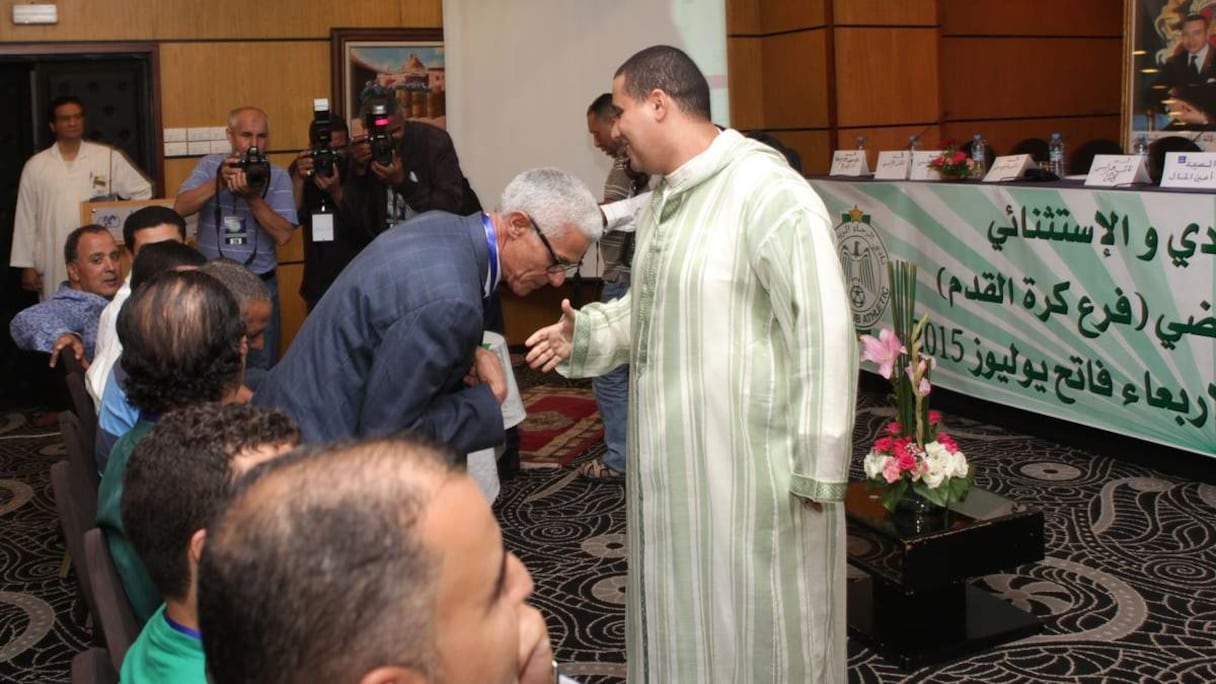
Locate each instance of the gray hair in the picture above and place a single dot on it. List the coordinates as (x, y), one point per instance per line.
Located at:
(555, 200)
(236, 114)
(244, 285)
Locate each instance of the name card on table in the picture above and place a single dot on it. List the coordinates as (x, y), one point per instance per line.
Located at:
(921, 169)
(1111, 170)
(1195, 170)
(849, 163)
(1010, 167)
(893, 165)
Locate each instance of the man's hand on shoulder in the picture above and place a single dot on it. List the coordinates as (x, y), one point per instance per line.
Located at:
(69, 344)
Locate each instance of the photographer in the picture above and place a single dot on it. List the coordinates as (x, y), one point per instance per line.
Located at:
(423, 173)
(327, 248)
(245, 208)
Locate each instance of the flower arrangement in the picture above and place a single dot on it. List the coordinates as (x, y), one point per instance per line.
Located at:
(954, 162)
(915, 456)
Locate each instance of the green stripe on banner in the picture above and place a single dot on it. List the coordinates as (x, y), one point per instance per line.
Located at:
(1094, 306)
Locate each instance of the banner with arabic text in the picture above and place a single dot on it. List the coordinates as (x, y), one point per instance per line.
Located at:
(1092, 306)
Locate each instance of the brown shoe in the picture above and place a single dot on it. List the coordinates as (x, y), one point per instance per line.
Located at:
(596, 470)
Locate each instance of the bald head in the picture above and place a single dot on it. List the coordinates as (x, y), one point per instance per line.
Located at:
(248, 127)
(182, 334)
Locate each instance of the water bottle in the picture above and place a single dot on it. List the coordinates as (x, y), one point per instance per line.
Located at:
(1140, 148)
(1055, 155)
(979, 153)
(913, 142)
(861, 142)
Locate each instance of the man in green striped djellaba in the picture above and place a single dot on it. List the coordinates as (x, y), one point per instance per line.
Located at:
(743, 370)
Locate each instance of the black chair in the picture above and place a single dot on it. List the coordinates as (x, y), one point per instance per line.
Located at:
(82, 406)
(118, 625)
(84, 466)
(75, 518)
(1083, 157)
(1160, 147)
(1037, 148)
(93, 667)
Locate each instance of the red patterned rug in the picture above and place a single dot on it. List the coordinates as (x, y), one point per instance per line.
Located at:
(562, 423)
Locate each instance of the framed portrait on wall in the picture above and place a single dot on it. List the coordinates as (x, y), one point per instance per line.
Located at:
(1170, 71)
(406, 64)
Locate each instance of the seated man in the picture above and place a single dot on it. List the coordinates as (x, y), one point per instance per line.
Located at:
(391, 344)
(254, 297)
(115, 414)
(179, 477)
(373, 562)
(68, 320)
(143, 227)
(183, 344)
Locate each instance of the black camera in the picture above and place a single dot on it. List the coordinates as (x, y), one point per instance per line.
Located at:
(376, 121)
(256, 167)
(320, 133)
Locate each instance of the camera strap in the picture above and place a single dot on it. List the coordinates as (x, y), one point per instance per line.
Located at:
(219, 218)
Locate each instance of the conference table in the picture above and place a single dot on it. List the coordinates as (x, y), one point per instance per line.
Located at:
(1089, 305)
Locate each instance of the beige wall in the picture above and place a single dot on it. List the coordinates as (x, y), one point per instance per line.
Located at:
(218, 54)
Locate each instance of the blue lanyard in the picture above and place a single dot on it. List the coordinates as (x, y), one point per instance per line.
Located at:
(179, 627)
(492, 243)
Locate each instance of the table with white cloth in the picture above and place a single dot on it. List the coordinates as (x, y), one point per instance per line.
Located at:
(483, 464)
(1089, 305)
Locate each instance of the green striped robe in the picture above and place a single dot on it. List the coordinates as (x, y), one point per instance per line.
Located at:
(742, 385)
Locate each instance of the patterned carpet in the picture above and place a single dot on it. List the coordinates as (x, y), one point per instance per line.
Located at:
(1127, 592)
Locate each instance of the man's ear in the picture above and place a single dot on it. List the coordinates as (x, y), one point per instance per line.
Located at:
(659, 104)
(73, 272)
(195, 550)
(393, 674)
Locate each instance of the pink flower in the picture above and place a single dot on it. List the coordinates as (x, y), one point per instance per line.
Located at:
(947, 442)
(883, 350)
(894, 428)
(890, 471)
(935, 416)
(907, 462)
(883, 444)
(921, 387)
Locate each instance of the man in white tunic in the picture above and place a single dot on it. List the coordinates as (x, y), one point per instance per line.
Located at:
(53, 184)
(743, 379)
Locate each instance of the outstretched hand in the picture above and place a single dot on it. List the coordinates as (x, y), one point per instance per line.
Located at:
(552, 345)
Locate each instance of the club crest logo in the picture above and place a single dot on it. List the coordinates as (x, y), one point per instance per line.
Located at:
(864, 258)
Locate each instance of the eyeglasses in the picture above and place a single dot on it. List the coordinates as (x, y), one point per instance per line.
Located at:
(558, 265)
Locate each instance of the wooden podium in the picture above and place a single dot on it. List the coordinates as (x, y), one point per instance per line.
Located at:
(112, 213)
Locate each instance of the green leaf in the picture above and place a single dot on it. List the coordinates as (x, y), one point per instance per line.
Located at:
(893, 493)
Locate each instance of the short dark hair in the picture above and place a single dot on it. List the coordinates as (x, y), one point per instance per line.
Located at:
(60, 101)
(321, 517)
(182, 474)
(670, 70)
(150, 217)
(71, 246)
(159, 257)
(602, 107)
(1193, 17)
(791, 155)
(181, 334)
(338, 125)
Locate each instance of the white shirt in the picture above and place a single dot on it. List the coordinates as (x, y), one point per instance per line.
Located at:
(108, 348)
(48, 203)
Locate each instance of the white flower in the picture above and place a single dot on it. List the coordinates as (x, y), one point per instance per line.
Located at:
(959, 468)
(939, 463)
(873, 464)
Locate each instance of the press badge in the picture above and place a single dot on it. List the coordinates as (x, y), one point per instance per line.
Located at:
(322, 227)
(235, 232)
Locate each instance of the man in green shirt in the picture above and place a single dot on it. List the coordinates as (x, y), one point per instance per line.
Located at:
(183, 344)
(179, 477)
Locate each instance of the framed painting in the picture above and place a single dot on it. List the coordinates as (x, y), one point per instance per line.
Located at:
(407, 64)
(1170, 70)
